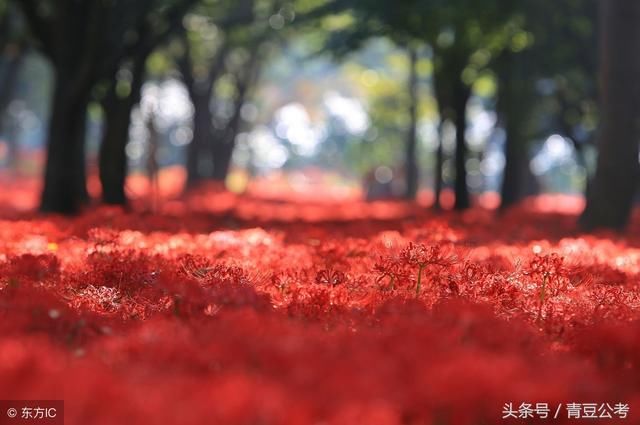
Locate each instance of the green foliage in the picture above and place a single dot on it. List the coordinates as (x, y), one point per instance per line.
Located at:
(552, 50)
(383, 87)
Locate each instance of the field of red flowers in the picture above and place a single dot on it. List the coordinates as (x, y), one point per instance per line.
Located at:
(253, 311)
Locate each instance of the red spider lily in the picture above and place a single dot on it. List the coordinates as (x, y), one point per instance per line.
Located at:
(330, 277)
(315, 318)
(422, 257)
(551, 276)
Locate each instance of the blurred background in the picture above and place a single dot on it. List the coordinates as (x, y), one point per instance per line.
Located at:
(451, 103)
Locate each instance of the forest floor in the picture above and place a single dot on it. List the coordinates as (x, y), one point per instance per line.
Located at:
(253, 311)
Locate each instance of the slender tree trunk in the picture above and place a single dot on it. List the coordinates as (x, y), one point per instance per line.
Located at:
(224, 145)
(9, 79)
(153, 167)
(80, 135)
(441, 97)
(13, 52)
(442, 92)
(461, 97)
(437, 188)
(199, 165)
(113, 157)
(65, 175)
(611, 195)
(8, 85)
(411, 163)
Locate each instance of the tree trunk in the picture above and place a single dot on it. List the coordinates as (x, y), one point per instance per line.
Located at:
(9, 79)
(199, 165)
(8, 85)
(224, 145)
(222, 154)
(65, 175)
(437, 184)
(73, 41)
(411, 164)
(611, 195)
(515, 161)
(13, 52)
(80, 135)
(197, 168)
(113, 157)
(461, 97)
(442, 92)
(515, 106)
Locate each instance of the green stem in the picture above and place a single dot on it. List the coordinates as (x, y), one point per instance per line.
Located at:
(542, 296)
(419, 284)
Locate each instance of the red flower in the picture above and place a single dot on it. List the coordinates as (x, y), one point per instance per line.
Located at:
(330, 277)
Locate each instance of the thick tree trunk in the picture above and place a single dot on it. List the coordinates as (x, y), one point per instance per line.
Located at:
(222, 154)
(224, 141)
(518, 179)
(202, 138)
(65, 175)
(113, 157)
(82, 39)
(515, 105)
(611, 194)
(515, 162)
(461, 97)
(73, 41)
(411, 163)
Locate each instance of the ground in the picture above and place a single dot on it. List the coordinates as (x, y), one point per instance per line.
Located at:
(239, 310)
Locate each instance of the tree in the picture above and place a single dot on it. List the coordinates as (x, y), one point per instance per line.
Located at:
(411, 165)
(544, 46)
(515, 108)
(456, 31)
(200, 88)
(516, 74)
(393, 85)
(69, 33)
(82, 39)
(366, 25)
(612, 191)
(13, 48)
(241, 37)
(124, 83)
(453, 94)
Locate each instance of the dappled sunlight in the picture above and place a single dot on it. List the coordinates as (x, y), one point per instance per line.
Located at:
(562, 204)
